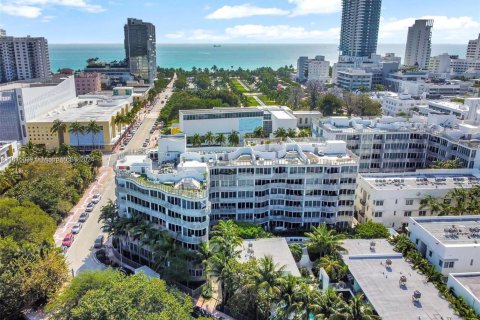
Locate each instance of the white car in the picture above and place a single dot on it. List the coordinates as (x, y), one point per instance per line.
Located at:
(96, 198)
(76, 228)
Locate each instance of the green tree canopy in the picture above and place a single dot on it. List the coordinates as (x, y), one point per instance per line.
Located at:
(371, 230)
(329, 104)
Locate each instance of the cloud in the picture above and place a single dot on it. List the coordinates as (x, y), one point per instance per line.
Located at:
(20, 11)
(304, 7)
(243, 11)
(445, 29)
(259, 32)
(47, 18)
(34, 8)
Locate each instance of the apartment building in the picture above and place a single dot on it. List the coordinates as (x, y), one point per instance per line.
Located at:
(450, 243)
(140, 49)
(318, 69)
(280, 186)
(354, 79)
(23, 58)
(392, 198)
(87, 83)
(440, 64)
(242, 120)
(23, 101)
(393, 104)
(473, 49)
(419, 44)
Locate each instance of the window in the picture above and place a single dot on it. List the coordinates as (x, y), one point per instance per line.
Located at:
(448, 264)
(440, 263)
(416, 241)
(430, 253)
(422, 213)
(407, 213)
(378, 202)
(471, 262)
(378, 214)
(409, 202)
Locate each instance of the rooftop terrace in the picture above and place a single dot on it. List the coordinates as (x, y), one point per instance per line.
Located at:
(460, 230)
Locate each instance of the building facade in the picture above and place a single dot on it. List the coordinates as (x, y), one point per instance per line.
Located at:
(354, 79)
(24, 101)
(393, 104)
(359, 29)
(440, 64)
(450, 243)
(140, 49)
(392, 198)
(473, 49)
(87, 83)
(302, 67)
(23, 58)
(9, 150)
(318, 69)
(419, 44)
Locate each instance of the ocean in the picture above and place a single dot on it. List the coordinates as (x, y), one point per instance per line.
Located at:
(246, 56)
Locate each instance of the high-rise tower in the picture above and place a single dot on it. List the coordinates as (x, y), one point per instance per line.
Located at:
(419, 44)
(359, 33)
(140, 49)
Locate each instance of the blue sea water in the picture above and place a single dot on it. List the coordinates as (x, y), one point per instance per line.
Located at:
(247, 56)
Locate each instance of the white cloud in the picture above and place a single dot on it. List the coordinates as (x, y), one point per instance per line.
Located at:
(259, 32)
(34, 8)
(20, 11)
(304, 7)
(445, 29)
(47, 18)
(243, 11)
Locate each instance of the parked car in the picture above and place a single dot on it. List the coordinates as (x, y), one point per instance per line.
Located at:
(83, 217)
(96, 198)
(145, 144)
(76, 228)
(98, 241)
(68, 240)
(90, 207)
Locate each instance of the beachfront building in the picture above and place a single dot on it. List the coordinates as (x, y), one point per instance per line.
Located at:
(318, 69)
(379, 282)
(359, 29)
(25, 100)
(302, 67)
(9, 150)
(440, 64)
(241, 120)
(473, 49)
(87, 83)
(354, 79)
(281, 186)
(99, 108)
(140, 49)
(403, 103)
(392, 198)
(419, 44)
(450, 243)
(23, 58)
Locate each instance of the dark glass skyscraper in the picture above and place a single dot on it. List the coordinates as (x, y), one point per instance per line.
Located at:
(140, 49)
(359, 33)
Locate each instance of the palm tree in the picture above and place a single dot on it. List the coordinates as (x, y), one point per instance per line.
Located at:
(291, 133)
(59, 127)
(327, 303)
(233, 138)
(324, 241)
(220, 139)
(289, 307)
(303, 134)
(280, 133)
(209, 138)
(119, 120)
(196, 140)
(93, 128)
(258, 132)
(226, 238)
(76, 128)
(29, 149)
(432, 203)
(331, 266)
(108, 212)
(356, 309)
(403, 244)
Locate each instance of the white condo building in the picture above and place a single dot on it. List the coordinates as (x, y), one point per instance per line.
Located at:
(419, 42)
(450, 243)
(23, 58)
(282, 185)
(473, 49)
(393, 104)
(392, 198)
(318, 69)
(440, 64)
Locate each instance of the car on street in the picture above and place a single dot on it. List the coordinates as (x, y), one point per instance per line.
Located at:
(68, 240)
(90, 207)
(76, 228)
(96, 198)
(83, 217)
(98, 241)
(145, 144)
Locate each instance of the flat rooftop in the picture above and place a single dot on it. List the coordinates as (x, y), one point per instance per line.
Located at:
(282, 114)
(422, 180)
(101, 109)
(471, 281)
(219, 110)
(277, 248)
(452, 230)
(381, 285)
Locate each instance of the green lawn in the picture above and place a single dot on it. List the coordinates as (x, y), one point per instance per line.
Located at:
(267, 101)
(251, 102)
(238, 86)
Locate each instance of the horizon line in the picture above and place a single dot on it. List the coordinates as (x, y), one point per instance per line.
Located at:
(241, 43)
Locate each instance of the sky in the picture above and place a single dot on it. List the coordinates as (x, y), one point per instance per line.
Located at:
(249, 21)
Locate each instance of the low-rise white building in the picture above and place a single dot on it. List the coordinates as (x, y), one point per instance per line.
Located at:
(392, 198)
(440, 63)
(393, 104)
(450, 243)
(467, 286)
(305, 118)
(9, 150)
(354, 79)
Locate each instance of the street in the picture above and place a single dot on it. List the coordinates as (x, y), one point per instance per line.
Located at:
(80, 256)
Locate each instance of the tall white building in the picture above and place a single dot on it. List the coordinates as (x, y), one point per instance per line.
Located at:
(473, 49)
(318, 69)
(450, 243)
(419, 42)
(24, 101)
(391, 198)
(23, 58)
